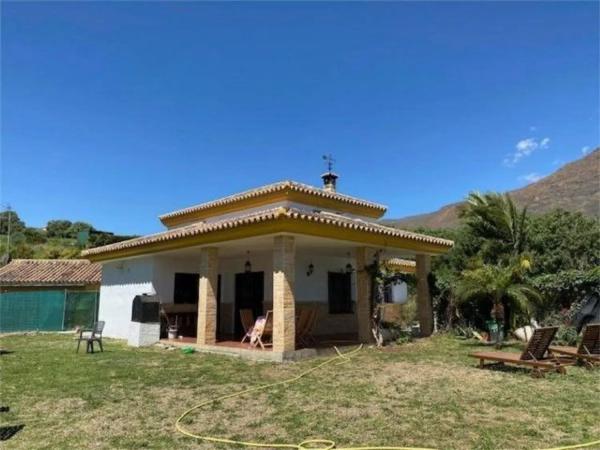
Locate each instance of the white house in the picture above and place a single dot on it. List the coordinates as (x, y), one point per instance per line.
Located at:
(278, 247)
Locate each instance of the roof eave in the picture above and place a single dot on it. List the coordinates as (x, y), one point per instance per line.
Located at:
(281, 223)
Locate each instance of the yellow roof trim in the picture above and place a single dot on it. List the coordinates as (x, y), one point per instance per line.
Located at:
(276, 220)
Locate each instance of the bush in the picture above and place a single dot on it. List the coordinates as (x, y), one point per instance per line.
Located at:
(35, 236)
(563, 289)
(566, 334)
(403, 337)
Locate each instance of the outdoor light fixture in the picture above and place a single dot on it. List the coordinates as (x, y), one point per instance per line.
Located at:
(349, 268)
(248, 264)
(311, 269)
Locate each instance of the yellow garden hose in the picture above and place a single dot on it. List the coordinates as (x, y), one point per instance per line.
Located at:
(576, 446)
(309, 444)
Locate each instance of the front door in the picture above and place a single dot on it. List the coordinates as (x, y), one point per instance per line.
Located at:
(249, 294)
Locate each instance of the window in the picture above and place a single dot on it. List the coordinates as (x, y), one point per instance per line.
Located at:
(340, 293)
(186, 288)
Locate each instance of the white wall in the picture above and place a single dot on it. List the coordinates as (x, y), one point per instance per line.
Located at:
(314, 288)
(121, 282)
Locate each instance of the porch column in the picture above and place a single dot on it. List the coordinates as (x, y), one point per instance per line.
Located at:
(363, 295)
(424, 305)
(284, 317)
(207, 296)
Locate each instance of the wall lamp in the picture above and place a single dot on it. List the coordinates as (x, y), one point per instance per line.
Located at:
(248, 264)
(310, 270)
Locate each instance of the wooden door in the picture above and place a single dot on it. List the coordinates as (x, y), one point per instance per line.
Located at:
(249, 294)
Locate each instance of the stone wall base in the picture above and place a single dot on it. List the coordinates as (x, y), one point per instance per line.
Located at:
(143, 334)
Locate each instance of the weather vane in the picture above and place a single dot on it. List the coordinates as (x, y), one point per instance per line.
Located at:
(330, 161)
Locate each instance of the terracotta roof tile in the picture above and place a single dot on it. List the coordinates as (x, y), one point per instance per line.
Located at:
(399, 262)
(272, 214)
(50, 272)
(275, 187)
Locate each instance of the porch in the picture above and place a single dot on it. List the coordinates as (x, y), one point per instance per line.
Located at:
(323, 346)
(281, 273)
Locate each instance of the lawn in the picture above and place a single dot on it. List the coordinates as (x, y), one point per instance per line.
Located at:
(425, 394)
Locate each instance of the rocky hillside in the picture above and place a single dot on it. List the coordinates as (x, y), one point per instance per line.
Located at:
(574, 187)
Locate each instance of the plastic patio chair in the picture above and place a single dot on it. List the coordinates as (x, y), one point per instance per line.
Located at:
(95, 335)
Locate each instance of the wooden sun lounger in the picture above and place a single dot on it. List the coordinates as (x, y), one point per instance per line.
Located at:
(588, 350)
(534, 355)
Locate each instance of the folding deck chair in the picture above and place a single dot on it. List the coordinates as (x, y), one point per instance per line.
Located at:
(534, 356)
(588, 350)
(302, 325)
(311, 325)
(247, 320)
(263, 328)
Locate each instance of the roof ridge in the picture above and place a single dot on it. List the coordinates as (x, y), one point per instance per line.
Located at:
(253, 192)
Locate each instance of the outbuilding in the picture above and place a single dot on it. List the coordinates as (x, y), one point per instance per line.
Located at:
(48, 294)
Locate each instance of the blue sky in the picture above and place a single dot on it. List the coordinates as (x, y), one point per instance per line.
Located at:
(113, 113)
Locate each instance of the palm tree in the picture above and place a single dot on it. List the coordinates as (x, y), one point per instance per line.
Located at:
(503, 285)
(494, 218)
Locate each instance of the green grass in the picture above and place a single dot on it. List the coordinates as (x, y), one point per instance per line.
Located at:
(427, 394)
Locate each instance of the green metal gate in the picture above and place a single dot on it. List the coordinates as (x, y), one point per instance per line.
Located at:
(47, 310)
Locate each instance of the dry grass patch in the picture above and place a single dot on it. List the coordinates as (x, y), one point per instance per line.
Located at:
(424, 394)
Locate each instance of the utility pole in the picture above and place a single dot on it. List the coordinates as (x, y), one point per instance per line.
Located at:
(8, 210)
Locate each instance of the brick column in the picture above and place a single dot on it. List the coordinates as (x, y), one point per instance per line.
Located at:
(363, 295)
(284, 317)
(207, 296)
(424, 305)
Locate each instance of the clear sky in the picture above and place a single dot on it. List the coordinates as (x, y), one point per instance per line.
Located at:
(113, 113)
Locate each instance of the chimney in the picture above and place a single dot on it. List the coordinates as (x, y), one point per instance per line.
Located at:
(329, 178)
(329, 181)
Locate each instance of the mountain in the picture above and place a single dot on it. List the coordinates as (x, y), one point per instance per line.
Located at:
(573, 187)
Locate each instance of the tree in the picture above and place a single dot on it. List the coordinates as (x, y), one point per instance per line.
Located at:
(562, 240)
(20, 250)
(76, 227)
(500, 226)
(58, 228)
(16, 224)
(504, 286)
(35, 235)
(99, 238)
